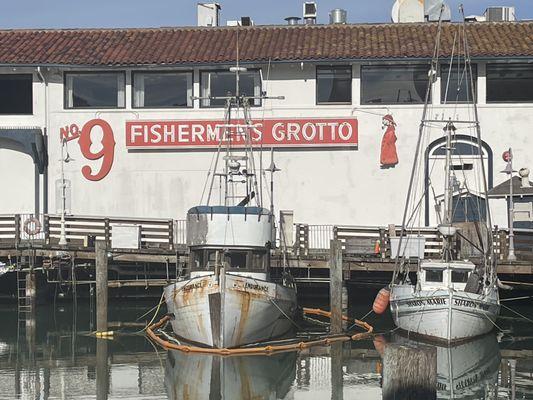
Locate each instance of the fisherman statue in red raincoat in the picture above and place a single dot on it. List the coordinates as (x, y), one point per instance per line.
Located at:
(389, 157)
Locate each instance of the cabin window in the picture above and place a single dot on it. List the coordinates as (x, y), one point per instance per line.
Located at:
(334, 85)
(223, 84)
(257, 260)
(197, 259)
(17, 94)
(236, 259)
(94, 90)
(460, 276)
(433, 275)
(162, 89)
(457, 80)
(394, 84)
(509, 83)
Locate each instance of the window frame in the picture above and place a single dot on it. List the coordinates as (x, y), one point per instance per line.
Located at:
(442, 82)
(202, 71)
(439, 272)
(66, 90)
(30, 75)
(382, 65)
(169, 72)
(487, 67)
(332, 103)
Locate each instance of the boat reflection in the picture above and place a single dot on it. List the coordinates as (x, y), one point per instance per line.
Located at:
(465, 371)
(198, 376)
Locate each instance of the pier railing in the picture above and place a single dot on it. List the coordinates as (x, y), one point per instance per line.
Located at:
(375, 242)
(83, 231)
(369, 242)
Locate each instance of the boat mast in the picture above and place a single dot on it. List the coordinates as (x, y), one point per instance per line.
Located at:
(448, 189)
(431, 80)
(489, 259)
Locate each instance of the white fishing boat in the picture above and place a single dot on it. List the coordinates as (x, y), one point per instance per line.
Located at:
(228, 298)
(452, 299)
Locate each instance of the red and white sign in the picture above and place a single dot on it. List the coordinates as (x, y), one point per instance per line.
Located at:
(315, 132)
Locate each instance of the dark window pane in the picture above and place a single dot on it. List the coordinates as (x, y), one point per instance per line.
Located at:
(386, 84)
(334, 84)
(236, 259)
(223, 83)
(95, 90)
(166, 89)
(258, 260)
(16, 94)
(433, 275)
(509, 83)
(468, 208)
(460, 276)
(457, 81)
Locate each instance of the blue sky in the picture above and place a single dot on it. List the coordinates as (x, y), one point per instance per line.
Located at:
(156, 13)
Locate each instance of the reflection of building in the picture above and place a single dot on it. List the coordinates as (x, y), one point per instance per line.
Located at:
(123, 99)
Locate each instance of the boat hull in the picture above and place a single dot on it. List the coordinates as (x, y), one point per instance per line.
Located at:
(444, 315)
(229, 311)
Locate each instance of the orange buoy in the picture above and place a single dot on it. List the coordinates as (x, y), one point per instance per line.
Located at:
(377, 247)
(382, 301)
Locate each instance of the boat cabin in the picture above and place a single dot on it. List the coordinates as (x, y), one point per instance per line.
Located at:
(237, 237)
(435, 275)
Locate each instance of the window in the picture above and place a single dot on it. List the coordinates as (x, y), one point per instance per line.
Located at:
(384, 84)
(433, 275)
(222, 83)
(162, 89)
(334, 85)
(468, 208)
(94, 90)
(457, 80)
(17, 94)
(257, 261)
(509, 83)
(460, 276)
(236, 259)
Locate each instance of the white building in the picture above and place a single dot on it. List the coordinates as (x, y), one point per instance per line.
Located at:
(140, 145)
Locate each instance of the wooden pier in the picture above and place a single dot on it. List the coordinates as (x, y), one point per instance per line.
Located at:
(160, 254)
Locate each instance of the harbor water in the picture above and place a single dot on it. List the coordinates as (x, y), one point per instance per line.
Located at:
(53, 356)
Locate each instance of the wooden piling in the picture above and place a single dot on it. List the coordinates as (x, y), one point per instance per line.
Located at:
(337, 382)
(335, 285)
(409, 372)
(101, 286)
(102, 370)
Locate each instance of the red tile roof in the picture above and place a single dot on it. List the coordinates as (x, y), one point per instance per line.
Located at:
(259, 43)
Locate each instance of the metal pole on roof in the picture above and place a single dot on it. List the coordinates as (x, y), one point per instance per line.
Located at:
(508, 156)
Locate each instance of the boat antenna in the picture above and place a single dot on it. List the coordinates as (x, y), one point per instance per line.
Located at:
(431, 78)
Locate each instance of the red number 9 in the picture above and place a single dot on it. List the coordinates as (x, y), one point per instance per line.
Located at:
(107, 152)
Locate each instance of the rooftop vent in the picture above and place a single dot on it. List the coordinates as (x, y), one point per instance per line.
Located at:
(309, 12)
(208, 14)
(292, 20)
(432, 9)
(337, 16)
(495, 14)
(408, 11)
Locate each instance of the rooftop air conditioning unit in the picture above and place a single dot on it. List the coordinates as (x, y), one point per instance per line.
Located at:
(208, 14)
(309, 12)
(495, 14)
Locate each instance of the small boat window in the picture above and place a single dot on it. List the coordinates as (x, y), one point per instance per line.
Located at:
(257, 260)
(433, 275)
(236, 259)
(460, 276)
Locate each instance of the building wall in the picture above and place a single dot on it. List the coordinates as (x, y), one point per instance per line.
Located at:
(322, 186)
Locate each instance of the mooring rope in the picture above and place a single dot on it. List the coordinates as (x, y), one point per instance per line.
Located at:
(517, 313)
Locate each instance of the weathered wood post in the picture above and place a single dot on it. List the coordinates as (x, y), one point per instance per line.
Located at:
(409, 372)
(101, 286)
(337, 382)
(102, 370)
(335, 285)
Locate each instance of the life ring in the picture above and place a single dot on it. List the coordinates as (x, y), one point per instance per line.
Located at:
(36, 226)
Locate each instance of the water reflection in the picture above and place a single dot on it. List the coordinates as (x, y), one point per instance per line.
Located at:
(52, 356)
(465, 371)
(195, 377)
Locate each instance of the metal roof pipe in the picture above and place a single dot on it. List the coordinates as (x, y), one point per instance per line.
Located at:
(337, 16)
